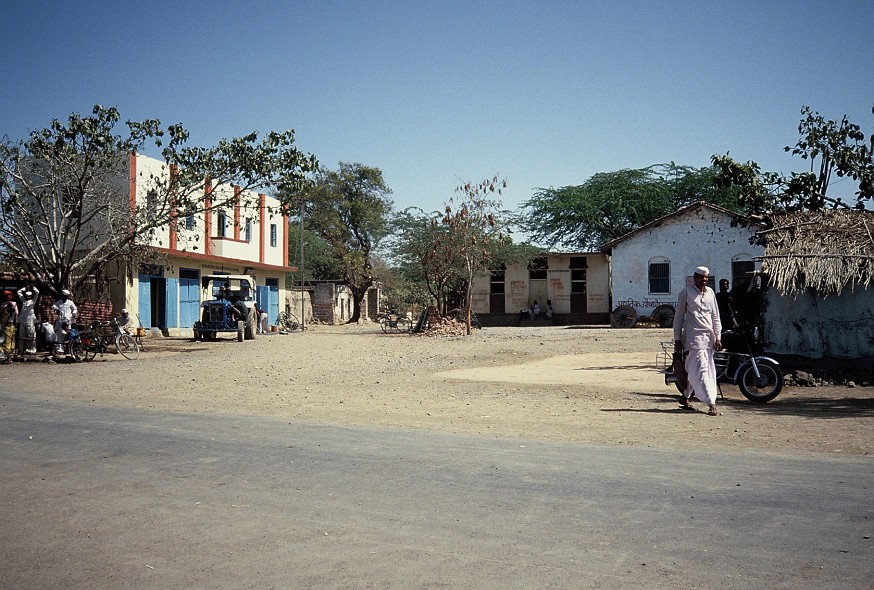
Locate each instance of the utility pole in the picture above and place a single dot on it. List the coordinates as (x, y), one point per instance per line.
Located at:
(303, 320)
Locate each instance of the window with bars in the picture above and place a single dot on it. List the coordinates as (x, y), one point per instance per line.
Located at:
(660, 277)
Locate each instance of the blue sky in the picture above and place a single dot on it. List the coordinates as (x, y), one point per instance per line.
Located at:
(434, 93)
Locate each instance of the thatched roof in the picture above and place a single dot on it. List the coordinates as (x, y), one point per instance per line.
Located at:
(823, 250)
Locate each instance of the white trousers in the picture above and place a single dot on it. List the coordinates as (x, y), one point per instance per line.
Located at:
(702, 375)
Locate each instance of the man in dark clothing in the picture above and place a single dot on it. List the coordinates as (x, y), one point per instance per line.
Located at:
(724, 303)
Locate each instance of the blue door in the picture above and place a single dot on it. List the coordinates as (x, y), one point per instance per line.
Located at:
(145, 293)
(189, 297)
(272, 306)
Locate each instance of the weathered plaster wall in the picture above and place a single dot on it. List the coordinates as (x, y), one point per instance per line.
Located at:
(698, 237)
(838, 326)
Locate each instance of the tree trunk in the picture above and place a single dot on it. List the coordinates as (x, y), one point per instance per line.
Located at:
(358, 295)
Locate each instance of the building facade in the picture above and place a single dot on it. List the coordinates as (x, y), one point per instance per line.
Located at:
(651, 265)
(577, 285)
(250, 237)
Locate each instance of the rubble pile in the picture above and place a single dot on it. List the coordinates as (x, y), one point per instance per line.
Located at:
(443, 326)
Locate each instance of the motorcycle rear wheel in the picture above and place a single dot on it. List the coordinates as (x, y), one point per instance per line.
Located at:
(763, 388)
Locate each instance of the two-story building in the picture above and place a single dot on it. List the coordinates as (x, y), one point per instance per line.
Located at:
(250, 237)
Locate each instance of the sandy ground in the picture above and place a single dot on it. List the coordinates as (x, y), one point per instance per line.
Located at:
(591, 385)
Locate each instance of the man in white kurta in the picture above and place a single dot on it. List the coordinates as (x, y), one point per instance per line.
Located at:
(697, 329)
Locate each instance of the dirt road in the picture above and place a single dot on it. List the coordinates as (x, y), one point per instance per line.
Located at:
(594, 385)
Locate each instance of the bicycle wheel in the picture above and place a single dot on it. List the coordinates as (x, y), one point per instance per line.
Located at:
(77, 351)
(404, 324)
(91, 349)
(386, 325)
(281, 319)
(127, 346)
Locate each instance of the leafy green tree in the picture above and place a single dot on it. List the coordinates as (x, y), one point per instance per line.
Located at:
(65, 211)
(611, 204)
(834, 148)
(318, 263)
(424, 250)
(348, 209)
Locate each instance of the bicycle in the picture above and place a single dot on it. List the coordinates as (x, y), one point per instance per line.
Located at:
(99, 338)
(288, 322)
(394, 323)
(72, 346)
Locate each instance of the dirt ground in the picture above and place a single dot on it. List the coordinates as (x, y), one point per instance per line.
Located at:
(591, 385)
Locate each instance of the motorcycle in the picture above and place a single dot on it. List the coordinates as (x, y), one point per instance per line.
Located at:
(759, 378)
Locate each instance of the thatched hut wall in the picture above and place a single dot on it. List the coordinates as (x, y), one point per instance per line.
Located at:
(820, 302)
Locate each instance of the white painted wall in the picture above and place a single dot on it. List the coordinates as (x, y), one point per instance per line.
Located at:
(520, 293)
(699, 236)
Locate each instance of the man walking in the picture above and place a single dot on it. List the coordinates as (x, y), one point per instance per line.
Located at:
(697, 330)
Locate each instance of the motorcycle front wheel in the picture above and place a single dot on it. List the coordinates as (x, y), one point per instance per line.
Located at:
(766, 386)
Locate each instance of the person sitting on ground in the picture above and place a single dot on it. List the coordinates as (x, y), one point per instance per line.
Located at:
(534, 312)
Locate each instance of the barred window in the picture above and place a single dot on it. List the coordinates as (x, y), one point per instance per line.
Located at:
(660, 277)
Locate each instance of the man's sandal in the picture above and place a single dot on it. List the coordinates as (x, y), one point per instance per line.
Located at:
(712, 411)
(684, 403)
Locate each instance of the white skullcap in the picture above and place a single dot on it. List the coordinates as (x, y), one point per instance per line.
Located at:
(124, 311)
(702, 270)
(65, 292)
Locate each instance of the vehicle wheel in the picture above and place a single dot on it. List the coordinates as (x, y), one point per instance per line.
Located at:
(664, 315)
(281, 319)
(127, 346)
(404, 324)
(197, 335)
(251, 327)
(241, 330)
(77, 351)
(385, 325)
(765, 387)
(623, 316)
(90, 351)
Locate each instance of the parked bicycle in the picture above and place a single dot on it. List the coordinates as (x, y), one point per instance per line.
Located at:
(288, 322)
(72, 346)
(394, 323)
(100, 337)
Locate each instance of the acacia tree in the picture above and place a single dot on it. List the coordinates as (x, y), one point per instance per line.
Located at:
(348, 208)
(65, 207)
(476, 230)
(834, 148)
(611, 204)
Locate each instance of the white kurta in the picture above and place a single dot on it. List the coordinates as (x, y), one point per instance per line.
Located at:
(697, 325)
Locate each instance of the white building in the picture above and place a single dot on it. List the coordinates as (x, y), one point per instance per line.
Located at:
(653, 263)
(577, 284)
(249, 238)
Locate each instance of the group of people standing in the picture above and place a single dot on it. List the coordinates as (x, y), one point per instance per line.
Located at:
(18, 322)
